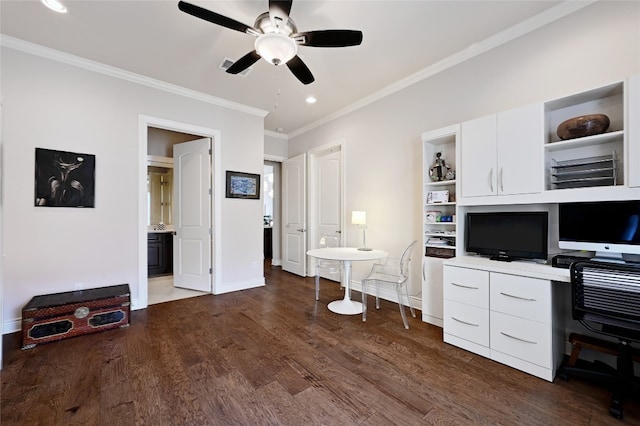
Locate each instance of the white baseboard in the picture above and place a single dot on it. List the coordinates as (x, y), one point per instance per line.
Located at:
(12, 326)
(433, 320)
(239, 285)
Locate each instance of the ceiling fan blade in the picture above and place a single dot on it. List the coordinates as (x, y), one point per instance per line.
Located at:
(329, 38)
(215, 18)
(300, 70)
(279, 10)
(243, 63)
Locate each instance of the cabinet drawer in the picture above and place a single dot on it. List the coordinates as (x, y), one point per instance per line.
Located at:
(521, 338)
(467, 322)
(521, 296)
(469, 286)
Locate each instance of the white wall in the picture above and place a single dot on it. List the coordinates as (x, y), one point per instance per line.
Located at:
(275, 146)
(54, 105)
(597, 45)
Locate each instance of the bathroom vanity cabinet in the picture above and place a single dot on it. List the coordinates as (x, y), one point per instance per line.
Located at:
(159, 253)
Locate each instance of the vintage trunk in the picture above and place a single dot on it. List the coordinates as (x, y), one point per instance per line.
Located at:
(58, 316)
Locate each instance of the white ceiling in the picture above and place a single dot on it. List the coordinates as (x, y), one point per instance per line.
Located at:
(155, 39)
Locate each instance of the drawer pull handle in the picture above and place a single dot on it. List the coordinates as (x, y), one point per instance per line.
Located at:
(517, 297)
(464, 322)
(517, 338)
(466, 286)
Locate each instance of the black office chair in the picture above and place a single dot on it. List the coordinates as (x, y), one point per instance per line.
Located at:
(605, 298)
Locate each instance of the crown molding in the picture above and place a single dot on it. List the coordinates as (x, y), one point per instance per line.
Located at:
(276, 135)
(540, 20)
(59, 56)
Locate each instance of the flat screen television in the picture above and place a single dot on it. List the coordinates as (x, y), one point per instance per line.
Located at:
(508, 235)
(609, 228)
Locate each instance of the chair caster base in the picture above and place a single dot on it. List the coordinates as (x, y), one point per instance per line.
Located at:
(616, 410)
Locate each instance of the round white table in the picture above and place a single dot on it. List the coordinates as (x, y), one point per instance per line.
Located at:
(346, 255)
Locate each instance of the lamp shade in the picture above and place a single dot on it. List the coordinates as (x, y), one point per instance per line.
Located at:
(276, 48)
(358, 218)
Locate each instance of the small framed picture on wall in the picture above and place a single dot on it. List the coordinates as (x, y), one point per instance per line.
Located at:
(243, 185)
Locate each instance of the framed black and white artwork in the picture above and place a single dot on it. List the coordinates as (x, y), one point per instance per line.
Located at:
(64, 179)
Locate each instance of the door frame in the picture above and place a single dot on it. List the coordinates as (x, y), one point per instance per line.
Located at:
(144, 122)
(312, 208)
(276, 161)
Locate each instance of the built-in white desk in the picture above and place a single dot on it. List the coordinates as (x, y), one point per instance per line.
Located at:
(527, 269)
(510, 312)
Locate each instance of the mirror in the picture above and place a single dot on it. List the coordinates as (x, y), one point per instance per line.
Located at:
(267, 179)
(160, 192)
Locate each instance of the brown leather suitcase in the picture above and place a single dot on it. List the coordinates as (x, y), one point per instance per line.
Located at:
(51, 317)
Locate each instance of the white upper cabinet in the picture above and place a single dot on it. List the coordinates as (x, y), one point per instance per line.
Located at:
(633, 126)
(501, 153)
(478, 155)
(520, 131)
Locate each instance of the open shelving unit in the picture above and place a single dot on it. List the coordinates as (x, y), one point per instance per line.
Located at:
(588, 161)
(439, 236)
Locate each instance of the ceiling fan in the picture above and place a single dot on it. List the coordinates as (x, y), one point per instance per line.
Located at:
(277, 38)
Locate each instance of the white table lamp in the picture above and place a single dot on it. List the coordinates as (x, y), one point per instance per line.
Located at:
(360, 219)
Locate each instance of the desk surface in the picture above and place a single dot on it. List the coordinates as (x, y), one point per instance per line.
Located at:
(346, 253)
(522, 268)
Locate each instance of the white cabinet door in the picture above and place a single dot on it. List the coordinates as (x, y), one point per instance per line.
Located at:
(432, 297)
(520, 133)
(478, 174)
(633, 124)
(501, 154)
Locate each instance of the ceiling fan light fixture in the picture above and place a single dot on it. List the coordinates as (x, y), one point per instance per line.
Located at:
(55, 5)
(276, 48)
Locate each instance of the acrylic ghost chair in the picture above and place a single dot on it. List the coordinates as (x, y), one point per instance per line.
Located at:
(330, 267)
(392, 273)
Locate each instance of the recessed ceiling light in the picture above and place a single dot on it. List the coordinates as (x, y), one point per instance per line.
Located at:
(311, 100)
(55, 5)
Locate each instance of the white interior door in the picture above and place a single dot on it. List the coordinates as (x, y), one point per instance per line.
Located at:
(294, 215)
(327, 177)
(192, 215)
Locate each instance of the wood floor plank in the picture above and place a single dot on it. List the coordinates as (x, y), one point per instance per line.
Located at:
(275, 356)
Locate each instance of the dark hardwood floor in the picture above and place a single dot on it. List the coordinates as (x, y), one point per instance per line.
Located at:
(273, 356)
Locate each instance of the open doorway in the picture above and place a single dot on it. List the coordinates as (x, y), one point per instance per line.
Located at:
(161, 227)
(267, 210)
(216, 191)
(271, 212)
